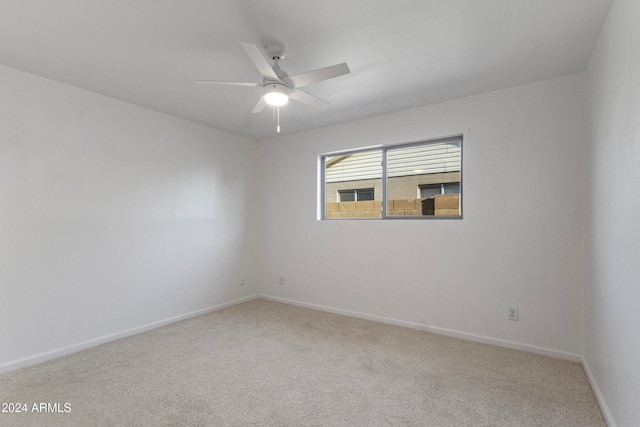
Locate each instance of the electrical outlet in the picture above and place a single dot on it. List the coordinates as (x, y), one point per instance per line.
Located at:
(242, 281)
(512, 313)
(281, 280)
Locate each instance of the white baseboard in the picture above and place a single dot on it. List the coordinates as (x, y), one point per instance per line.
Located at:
(440, 331)
(54, 354)
(606, 413)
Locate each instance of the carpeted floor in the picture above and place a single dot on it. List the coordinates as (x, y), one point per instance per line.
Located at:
(263, 363)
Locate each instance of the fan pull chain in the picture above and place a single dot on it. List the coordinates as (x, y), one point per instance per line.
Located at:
(276, 117)
(278, 126)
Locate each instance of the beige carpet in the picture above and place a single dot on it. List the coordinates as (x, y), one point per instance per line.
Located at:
(268, 364)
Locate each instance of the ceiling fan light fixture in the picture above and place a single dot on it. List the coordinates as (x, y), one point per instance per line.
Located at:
(276, 94)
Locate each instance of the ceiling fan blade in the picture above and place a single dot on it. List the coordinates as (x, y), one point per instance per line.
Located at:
(304, 79)
(307, 98)
(217, 82)
(260, 105)
(259, 61)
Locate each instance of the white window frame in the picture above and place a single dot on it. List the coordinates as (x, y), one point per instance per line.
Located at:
(322, 209)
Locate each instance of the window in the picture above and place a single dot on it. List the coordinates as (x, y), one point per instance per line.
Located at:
(357, 195)
(429, 191)
(413, 180)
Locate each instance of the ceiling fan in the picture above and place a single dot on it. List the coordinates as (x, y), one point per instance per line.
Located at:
(277, 86)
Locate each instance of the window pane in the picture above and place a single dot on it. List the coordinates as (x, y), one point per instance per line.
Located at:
(418, 175)
(353, 185)
(347, 196)
(365, 194)
(453, 188)
(429, 191)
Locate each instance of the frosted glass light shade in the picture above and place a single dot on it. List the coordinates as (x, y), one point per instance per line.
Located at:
(276, 94)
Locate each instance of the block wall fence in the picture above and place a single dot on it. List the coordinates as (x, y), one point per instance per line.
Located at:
(440, 205)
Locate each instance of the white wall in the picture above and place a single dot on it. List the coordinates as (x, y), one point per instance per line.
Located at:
(519, 243)
(112, 217)
(612, 279)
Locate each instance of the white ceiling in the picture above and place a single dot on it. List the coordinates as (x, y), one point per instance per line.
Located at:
(402, 53)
